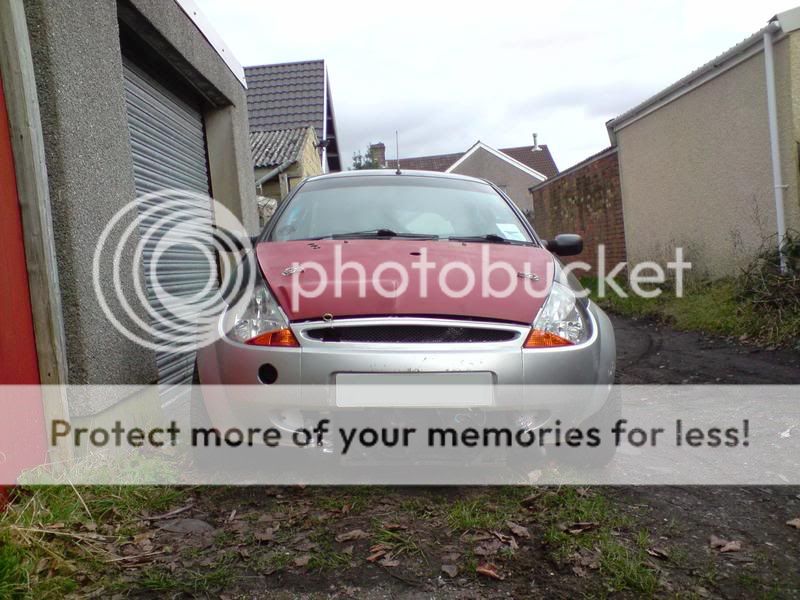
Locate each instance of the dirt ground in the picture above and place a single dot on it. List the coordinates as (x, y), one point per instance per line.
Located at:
(497, 542)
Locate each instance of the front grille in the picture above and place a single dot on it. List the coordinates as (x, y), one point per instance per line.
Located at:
(411, 334)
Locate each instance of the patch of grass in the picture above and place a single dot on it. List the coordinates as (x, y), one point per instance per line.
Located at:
(490, 510)
(326, 556)
(623, 565)
(279, 559)
(626, 568)
(13, 576)
(643, 539)
(748, 580)
(570, 504)
(470, 563)
(679, 556)
(708, 307)
(710, 574)
(418, 507)
(718, 307)
(64, 504)
(399, 542)
(509, 497)
(270, 562)
(352, 499)
(188, 581)
(224, 538)
(43, 543)
(465, 515)
(507, 552)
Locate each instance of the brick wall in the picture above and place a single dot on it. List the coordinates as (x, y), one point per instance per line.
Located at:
(585, 199)
(377, 152)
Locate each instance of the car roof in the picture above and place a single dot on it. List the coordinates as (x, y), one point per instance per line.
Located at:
(393, 173)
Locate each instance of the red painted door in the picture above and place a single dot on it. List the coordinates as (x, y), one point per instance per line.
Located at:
(22, 442)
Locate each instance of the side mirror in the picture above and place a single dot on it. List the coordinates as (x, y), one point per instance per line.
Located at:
(566, 244)
(230, 241)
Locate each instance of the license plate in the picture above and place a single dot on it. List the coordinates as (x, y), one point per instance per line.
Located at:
(414, 390)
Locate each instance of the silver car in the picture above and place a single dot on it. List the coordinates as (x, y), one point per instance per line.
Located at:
(384, 277)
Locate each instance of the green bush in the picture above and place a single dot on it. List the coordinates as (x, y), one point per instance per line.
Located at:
(761, 305)
(763, 289)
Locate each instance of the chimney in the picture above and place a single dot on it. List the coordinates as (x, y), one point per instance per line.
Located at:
(377, 153)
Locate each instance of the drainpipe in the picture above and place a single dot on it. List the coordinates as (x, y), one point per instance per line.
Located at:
(276, 171)
(772, 113)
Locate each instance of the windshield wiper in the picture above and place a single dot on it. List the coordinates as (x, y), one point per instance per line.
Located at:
(490, 238)
(379, 233)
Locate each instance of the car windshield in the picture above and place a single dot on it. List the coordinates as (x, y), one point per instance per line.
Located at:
(394, 206)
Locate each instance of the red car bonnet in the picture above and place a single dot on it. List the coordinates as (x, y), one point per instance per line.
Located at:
(340, 296)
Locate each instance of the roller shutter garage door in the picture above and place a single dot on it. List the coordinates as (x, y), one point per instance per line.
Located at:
(169, 153)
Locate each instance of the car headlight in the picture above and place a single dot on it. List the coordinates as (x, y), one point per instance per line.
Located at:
(562, 320)
(259, 321)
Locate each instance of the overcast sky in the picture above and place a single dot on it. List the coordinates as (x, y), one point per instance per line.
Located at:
(447, 74)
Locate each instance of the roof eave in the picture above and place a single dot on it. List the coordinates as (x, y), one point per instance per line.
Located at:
(586, 161)
(502, 156)
(784, 23)
(203, 25)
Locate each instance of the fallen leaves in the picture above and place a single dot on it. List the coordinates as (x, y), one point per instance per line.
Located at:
(586, 559)
(532, 501)
(579, 571)
(377, 551)
(489, 570)
(723, 545)
(580, 527)
(302, 561)
(733, 546)
(265, 535)
(355, 534)
(491, 544)
(488, 548)
(660, 553)
(716, 542)
(305, 546)
(518, 530)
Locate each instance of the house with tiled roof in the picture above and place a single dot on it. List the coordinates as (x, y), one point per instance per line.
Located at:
(283, 158)
(514, 170)
(292, 96)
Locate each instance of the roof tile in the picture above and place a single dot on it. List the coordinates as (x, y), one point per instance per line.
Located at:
(289, 96)
(273, 148)
(541, 161)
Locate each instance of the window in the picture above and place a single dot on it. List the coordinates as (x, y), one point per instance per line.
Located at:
(405, 204)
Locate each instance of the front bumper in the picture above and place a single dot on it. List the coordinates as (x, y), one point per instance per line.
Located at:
(309, 373)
